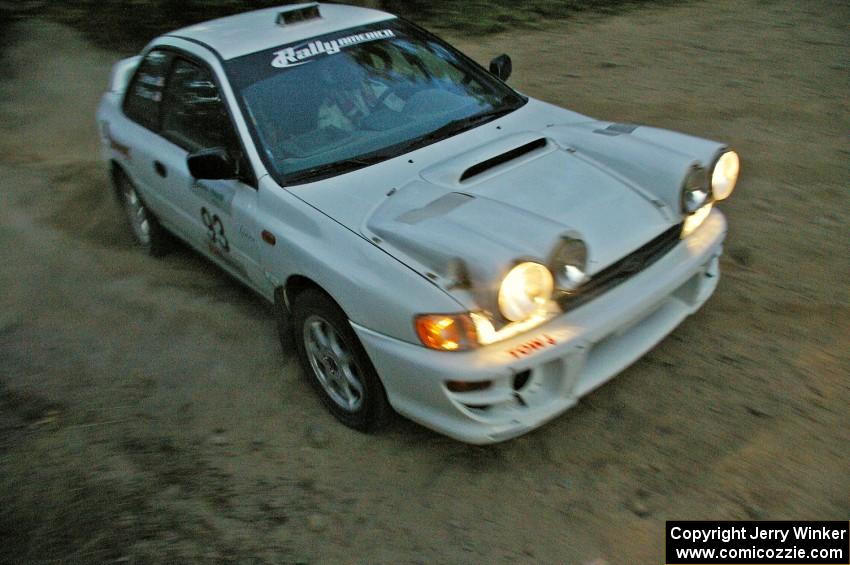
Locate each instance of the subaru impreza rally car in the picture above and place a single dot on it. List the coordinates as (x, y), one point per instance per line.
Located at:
(434, 242)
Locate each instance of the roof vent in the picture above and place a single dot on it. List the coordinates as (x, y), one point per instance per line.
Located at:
(503, 158)
(300, 13)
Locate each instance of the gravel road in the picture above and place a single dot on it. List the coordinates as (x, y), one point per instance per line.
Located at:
(148, 414)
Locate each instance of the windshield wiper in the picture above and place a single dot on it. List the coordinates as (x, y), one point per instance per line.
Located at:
(461, 124)
(330, 169)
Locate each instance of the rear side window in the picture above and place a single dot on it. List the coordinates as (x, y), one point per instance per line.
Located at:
(141, 104)
(194, 115)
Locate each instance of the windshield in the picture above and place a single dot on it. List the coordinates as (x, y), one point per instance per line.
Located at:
(352, 98)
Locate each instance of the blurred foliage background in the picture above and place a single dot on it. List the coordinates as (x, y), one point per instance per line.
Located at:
(126, 25)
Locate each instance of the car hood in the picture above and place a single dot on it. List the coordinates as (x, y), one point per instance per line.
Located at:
(509, 190)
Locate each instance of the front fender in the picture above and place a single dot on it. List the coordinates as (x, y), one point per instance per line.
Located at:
(652, 160)
(374, 289)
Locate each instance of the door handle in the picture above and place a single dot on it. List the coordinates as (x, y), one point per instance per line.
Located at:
(160, 169)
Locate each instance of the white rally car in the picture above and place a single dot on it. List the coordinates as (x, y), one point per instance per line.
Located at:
(433, 240)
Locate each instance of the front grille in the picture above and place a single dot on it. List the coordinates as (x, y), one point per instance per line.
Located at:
(619, 272)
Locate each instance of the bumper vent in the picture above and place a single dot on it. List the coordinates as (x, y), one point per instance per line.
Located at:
(622, 270)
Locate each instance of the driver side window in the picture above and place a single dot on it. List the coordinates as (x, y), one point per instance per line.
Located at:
(194, 116)
(143, 99)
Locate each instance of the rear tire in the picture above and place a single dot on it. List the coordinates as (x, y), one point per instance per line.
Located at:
(336, 363)
(144, 226)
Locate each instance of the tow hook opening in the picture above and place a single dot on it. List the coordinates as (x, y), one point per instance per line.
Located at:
(521, 379)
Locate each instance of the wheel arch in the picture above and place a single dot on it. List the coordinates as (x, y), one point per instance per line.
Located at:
(296, 284)
(116, 171)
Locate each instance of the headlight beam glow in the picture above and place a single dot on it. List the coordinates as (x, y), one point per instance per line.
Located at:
(695, 220)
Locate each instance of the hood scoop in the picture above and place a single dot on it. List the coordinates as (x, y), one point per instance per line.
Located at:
(492, 162)
(488, 159)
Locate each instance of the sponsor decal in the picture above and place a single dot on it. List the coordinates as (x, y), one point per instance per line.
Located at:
(531, 346)
(219, 194)
(215, 232)
(217, 242)
(306, 52)
(244, 233)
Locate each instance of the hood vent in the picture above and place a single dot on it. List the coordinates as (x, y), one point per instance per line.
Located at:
(298, 14)
(483, 166)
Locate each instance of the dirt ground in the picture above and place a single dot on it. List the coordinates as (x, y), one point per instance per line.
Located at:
(147, 413)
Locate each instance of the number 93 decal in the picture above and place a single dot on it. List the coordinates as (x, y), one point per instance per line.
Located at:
(215, 230)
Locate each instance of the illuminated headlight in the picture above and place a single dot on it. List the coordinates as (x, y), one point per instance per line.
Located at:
(569, 263)
(695, 192)
(526, 289)
(725, 175)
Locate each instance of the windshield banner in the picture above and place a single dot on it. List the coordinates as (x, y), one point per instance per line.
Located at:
(294, 56)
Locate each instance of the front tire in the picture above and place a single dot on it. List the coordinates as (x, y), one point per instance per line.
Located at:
(336, 363)
(146, 229)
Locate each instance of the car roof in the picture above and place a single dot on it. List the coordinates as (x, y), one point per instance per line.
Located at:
(242, 34)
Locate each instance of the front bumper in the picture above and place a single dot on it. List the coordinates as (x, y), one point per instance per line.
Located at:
(538, 375)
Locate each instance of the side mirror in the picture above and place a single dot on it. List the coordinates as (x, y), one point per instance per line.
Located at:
(501, 66)
(211, 164)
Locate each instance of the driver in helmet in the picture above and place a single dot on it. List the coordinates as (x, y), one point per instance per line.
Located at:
(350, 96)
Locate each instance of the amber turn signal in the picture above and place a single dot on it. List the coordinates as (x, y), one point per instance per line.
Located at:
(445, 332)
